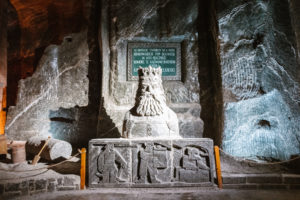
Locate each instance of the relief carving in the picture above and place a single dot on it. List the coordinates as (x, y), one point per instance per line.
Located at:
(143, 163)
(191, 164)
(153, 162)
(110, 165)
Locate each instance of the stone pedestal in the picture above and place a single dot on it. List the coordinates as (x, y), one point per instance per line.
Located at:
(151, 163)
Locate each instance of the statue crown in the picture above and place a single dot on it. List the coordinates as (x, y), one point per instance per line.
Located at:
(150, 73)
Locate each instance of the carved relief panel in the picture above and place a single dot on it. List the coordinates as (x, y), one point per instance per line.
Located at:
(150, 163)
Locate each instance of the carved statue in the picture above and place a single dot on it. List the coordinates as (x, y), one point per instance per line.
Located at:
(150, 117)
(110, 165)
(147, 165)
(194, 160)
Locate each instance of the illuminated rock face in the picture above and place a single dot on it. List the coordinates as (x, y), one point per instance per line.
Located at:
(60, 81)
(53, 69)
(262, 128)
(33, 26)
(257, 56)
(257, 50)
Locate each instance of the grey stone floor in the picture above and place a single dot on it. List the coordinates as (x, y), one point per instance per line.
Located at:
(168, 194)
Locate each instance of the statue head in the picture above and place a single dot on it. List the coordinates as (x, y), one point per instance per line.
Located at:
(151, 100)
(110, 147)
(149, 146)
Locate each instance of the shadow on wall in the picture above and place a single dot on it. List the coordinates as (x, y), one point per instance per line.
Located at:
(79, 124)
(106, 127)
(211, 98)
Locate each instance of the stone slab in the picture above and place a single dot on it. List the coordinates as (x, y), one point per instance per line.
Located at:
(291, 178)
(264, 178)
(151, 163)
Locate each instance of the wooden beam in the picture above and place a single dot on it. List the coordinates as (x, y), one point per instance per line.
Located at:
(218, 167)
(83, 168)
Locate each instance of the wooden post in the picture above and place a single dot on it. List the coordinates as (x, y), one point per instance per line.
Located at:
(83, 168)
(3, 143)
(2, 122)
(4, 103)
(3, 112)
(218, 166)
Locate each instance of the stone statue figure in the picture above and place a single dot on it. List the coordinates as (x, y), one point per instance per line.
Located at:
(147, 165)
(194, 160)
(150, 117)
(110, 165)
(192, 165)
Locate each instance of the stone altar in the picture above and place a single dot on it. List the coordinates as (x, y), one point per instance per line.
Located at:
(150, 163)
(151, 152)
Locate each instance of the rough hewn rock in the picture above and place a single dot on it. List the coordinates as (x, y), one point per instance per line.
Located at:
(60, 81)
(257, 56)
(295, 16)
(33, 26)
(257, 49)
(262, 128)
(62, 97)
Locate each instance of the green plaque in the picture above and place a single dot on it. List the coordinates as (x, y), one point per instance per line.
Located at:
(164, 55)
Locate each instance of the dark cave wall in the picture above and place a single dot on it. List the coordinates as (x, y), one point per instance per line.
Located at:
(295, 16)
(3, 46)
(210, 72)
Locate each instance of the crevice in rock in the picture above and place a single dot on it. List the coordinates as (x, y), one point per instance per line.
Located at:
(61, 119)
(258, 40)
(211, 98)
(264, 123)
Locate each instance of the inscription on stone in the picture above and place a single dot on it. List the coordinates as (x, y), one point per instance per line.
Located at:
(164, 55)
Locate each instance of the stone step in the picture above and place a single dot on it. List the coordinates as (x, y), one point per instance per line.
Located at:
(261, 181)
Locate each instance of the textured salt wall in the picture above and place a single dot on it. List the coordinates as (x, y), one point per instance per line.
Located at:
(59, 81)
(295, 15)
(266, 128)
(260, 79)
(149, 21)
(33, 26)
(61, 98)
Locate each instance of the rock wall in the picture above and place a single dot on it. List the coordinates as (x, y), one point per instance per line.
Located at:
(60, 81)
(3, 47)
(33, 26)
(263, 127)
(149, 21)
(260, 79)
(61, 98)
(295, 16)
